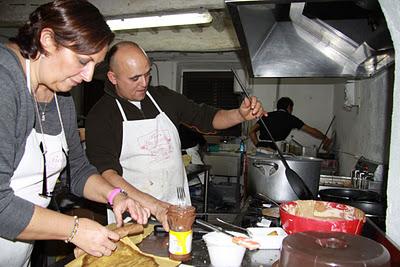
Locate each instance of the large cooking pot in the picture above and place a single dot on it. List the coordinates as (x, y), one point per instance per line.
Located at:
(368, 201)
(266, 175)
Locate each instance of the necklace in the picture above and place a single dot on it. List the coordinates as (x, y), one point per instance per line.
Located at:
(42, 111)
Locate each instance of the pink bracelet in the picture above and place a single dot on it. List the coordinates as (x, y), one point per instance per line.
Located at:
(113, 193)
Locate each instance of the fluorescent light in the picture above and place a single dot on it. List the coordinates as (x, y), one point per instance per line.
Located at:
(162, 20)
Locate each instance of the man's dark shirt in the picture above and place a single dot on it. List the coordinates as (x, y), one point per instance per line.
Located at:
(190, 138)
(280, 123)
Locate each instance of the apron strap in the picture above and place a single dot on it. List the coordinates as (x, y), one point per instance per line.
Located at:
(151, 98)
(28, 74)
(121, 110)
(154, 102)
(64, 140)
(28, 84)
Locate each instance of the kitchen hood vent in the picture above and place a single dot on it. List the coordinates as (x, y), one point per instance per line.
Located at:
(312, 39)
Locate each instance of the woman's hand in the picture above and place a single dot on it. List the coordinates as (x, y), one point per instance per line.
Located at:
(94, 238)
(123, 203)
(127, 229)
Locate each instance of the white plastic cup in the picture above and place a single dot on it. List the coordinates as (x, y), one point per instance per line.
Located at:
(222, 251)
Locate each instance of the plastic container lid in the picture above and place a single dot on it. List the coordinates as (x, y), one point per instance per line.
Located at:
(319, 249)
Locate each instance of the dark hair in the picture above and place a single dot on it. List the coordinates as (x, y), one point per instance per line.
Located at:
(284, 103)
(77, 25)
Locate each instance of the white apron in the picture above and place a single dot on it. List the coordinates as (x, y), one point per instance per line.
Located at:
(151, 157)
(27, 182)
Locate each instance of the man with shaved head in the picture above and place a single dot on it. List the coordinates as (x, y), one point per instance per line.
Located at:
(131, 133)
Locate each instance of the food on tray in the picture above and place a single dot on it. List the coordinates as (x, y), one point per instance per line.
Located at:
(245, 242)
(268, 238)
(273, 233)
(123, 256)
(126, 230)
(129, 229)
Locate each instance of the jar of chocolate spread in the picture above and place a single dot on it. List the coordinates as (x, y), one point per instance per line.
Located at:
(180, 220)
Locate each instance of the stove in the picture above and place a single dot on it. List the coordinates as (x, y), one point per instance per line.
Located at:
(252, 213)
(328, 181)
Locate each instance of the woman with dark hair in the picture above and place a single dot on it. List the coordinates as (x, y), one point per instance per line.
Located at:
(56, 49)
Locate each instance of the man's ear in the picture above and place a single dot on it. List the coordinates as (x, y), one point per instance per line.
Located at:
(47, 40)
(111, 77)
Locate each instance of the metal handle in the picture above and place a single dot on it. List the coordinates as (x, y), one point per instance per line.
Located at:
(213, 227)
(208, 225)
(244, 230)
(258, 164)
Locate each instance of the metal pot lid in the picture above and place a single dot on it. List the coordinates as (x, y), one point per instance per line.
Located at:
(368, 201)
(349, 194)
(332, 249)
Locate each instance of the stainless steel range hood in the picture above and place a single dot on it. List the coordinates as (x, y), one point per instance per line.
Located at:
(283, 38)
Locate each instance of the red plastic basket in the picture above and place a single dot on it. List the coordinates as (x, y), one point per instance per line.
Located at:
(292, 223)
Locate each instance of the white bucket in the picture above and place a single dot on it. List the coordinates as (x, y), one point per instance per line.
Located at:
(222, 251)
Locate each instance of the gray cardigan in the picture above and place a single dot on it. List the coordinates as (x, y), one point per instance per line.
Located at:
(17, 119)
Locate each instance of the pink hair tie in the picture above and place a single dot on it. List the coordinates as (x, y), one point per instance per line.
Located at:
(113, 194)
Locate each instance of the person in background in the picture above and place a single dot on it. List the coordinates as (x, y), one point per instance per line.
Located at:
(191, 143)
(280, 123)
(131, 132)
(57, 48)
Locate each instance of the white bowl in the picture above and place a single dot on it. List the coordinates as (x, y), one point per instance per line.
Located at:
(223, 252)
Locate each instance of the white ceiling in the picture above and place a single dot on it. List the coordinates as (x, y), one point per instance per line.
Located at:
(217, 36)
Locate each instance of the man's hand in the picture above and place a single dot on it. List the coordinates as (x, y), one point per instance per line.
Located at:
(251, 109)
(123, 203)
(326, 144)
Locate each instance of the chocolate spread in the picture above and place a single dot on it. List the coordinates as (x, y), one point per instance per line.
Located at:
(180, 220)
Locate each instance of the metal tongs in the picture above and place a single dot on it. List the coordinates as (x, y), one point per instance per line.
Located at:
(246, 242)
(214, 227)
(243, 230)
